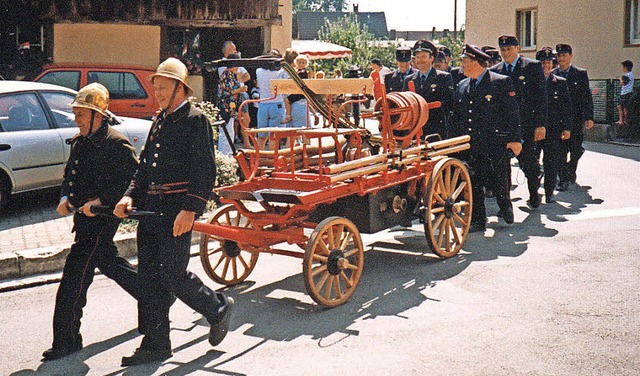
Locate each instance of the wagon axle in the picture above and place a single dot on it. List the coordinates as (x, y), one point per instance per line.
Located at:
(336, 262)
(231, 248)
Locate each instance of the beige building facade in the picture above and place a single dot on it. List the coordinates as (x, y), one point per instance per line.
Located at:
(601, 33)
(136, 44)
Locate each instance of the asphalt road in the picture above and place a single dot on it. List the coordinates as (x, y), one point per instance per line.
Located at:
(556, 293)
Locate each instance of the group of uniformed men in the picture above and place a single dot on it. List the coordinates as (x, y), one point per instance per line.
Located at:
(511, 106)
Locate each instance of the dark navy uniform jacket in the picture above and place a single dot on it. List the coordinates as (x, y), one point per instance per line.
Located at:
(437, 87)
(559, 112)
(99, 166)
(581, 99)
(179, 149)
(489, 114)
(528, 80)
(394, 81)
(456, 75)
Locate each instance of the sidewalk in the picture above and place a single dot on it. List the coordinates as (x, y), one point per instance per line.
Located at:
(35, 240)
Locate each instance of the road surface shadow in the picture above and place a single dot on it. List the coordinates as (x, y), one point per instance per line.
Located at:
(30, 208)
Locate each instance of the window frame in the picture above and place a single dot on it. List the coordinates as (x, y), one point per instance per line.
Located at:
(629, 20)
(533, 29)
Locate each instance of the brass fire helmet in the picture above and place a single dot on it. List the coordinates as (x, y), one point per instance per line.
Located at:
(94, 97)
(174, 69)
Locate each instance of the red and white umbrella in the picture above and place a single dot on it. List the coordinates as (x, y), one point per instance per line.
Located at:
(315, 49)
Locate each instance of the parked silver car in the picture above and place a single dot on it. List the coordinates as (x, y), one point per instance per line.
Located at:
(36, 121)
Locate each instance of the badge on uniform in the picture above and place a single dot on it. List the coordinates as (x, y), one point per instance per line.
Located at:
(488, 98)
(521, 78)
(512, 93)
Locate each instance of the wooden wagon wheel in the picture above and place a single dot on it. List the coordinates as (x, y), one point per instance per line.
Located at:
(223, 260)
(333, 261)
(447, 200)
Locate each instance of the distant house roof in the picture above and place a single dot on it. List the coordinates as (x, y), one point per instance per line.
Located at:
(307, 24)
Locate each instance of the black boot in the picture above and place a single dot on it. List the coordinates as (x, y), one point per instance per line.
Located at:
(57, 352)
(219, 330)
(142, 356)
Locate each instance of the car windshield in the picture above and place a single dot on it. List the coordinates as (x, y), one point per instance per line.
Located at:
(60, 105)
(70, 79)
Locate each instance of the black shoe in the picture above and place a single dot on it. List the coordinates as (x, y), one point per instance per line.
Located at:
(219, 330)
(61, 351)
(477, 227)
(563, 186)
(507, 215)
(534, 201)
(142, 356)
(549, 199)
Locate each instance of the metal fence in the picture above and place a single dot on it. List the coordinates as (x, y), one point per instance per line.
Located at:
(606, 94)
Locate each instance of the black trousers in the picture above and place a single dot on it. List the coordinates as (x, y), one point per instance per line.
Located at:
(551, 146)
(162, 264)
(93, 247)
(529, 162)
(572, 147)
(488, 172)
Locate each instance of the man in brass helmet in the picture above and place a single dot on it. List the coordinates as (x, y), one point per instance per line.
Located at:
(100, 167)
(175, 178)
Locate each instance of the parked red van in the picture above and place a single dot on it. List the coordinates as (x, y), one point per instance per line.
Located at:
(131, 93)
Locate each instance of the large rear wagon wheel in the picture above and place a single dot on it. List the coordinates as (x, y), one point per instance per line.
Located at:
(333, 261)
(447, 200)
(223, 260)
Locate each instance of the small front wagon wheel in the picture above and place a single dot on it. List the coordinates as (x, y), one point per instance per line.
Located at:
(223, 260)
(333, 261)
(447, 202)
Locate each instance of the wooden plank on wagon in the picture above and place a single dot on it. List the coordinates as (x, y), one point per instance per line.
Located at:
(333, 86)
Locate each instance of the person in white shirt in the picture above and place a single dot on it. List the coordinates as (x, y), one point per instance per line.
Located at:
(626, 92)
(376, 65)
(271, 112)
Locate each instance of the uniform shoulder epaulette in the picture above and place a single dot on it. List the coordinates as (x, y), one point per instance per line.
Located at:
(73, 139)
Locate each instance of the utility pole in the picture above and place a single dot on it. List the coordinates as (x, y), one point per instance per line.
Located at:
(455, 19)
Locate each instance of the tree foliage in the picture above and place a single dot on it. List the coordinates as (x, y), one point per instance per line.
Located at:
(319, 5)
(455, 45)
(348, 32)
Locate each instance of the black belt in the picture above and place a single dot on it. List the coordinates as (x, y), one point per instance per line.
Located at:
(167, 188)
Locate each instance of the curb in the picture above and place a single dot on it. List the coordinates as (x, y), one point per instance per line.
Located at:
(51, 260)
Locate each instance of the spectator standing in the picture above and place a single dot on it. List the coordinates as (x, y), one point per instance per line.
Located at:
(299, 113)
(271, 113)
(626, 92)
(230, 96)
(228, 48)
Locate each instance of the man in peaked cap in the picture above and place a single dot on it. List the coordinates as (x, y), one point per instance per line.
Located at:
(174, 180)
(528, 80)
(559, 121)
(486, 108)
(494, 53)
(395, 80)
(582, 106)
(432, 85)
